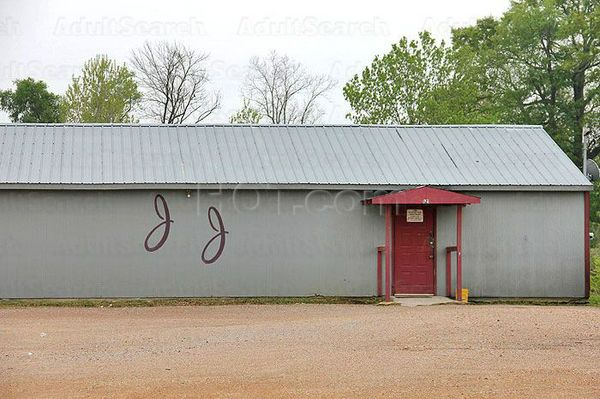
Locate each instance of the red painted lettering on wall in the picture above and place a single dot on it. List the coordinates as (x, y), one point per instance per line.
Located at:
(165, 216)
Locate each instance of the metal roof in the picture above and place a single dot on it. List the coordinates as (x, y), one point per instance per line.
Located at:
(340, 155)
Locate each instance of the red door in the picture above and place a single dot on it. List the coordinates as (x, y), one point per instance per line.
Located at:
(414, 251)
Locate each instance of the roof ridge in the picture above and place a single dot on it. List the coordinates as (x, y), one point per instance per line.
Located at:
(6, 124)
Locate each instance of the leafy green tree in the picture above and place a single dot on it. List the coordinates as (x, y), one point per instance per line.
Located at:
(542, 62)
(30, 102)
(104, 93)
(538, 64)
(418, 81)
(246, 115)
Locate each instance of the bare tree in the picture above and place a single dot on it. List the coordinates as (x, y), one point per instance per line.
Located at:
(282, 91)
(174, 80)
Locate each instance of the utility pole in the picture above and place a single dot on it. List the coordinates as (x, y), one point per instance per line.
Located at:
(584, 155)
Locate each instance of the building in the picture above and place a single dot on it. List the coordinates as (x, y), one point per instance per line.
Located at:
(230, 210)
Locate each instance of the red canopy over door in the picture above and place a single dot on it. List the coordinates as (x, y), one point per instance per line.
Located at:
(407, 242)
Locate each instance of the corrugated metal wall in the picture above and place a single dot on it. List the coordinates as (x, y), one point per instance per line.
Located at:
(91, 244)
(517, 244)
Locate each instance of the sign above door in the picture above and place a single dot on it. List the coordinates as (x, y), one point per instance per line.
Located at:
(414, 215)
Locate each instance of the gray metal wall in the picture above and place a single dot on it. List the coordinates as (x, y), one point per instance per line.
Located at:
(90, 244)
(517, 244)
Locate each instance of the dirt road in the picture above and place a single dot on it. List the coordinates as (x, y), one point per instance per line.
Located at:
(301, 350)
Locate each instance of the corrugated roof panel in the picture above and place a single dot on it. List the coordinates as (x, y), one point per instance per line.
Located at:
(425, 158)
(404, 158)
(163, 158)
(528, 154)
(295, 154)
(537, 157)
(47, 156)
(26, 153)
(425, 147)
(107, 159)
(451, 146)
(219, 152)
(97, 151)
(190, 163)
(518, 163)
(404, 154)
(311, 160)
(328, 159)
(260, 158)
(515, 173)
(463, 146)
(177, 163)
(142, 143)
(279, 156)
(495, 163)
(243, 156)
(188, 172)
(76, 156)
(16, 154)
(475, 161)
(291, 157)
(301, 155)
(205, 153)
(448, 166)
(134, 154)
(304, 150)
(383, 163)
(382, 170)
(351, 161)
(158, 155)
(488, 165)
(127, 164)
(329, 155)
(550, 150)
(58, 150)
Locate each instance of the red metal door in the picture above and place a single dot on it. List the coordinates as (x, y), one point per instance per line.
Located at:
(414, 250)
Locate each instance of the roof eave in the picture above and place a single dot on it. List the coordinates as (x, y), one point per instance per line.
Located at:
(280, 186)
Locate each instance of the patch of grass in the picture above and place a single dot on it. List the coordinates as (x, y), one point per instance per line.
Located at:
(528, 301)
(595, 277)
(150, 302)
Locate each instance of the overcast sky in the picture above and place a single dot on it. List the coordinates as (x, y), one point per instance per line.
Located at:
(50, 40)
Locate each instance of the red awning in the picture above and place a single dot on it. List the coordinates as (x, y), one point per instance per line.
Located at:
(424, 196)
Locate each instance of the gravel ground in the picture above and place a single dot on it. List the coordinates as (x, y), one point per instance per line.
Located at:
(301, 350)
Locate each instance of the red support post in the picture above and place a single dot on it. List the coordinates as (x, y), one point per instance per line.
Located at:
(449, 251)
(459, 252)
(388, 253)
(448, 273)
(380, 251)
(586, 224)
